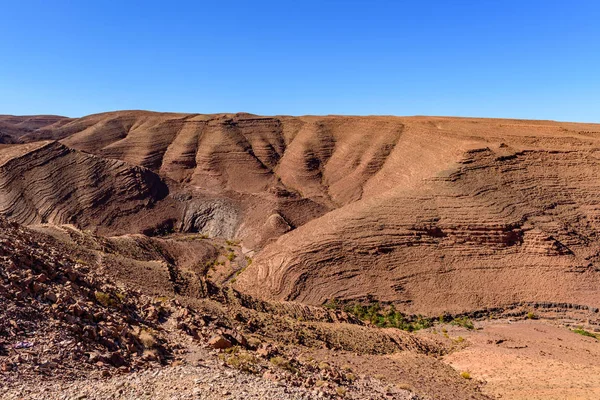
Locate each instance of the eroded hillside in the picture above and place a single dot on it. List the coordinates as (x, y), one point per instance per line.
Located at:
(48, 182)
(204, 246)
(433, 214)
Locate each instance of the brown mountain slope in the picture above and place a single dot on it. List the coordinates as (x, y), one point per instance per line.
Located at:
(326, 159)
(514, 219)
(435, 214)
(13, 127)
(48, 182)
(260, 176)
(432, 214)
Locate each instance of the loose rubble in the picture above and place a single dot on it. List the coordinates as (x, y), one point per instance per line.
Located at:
(67, 332)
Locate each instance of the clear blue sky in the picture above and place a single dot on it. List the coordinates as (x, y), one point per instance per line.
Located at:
(537, 59)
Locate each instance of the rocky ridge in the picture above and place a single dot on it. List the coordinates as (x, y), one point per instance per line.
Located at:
(48, 182)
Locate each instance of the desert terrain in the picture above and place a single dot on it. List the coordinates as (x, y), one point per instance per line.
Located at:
(183, 256)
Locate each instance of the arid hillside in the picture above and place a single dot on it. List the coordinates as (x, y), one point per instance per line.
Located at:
(432, 214)
(296, 257)
(13, 127)
(48, 182)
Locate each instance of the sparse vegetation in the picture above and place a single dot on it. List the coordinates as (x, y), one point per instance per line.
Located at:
(283, 364)
(239, 359)
(323, 365)
(254, 342)
(465, 322)
(243, 361)
(332, 304)
(105, 299)
(147, 339)
(531, 315)
(583, 332)
(121, 296)
(383, 318)
(389, 317)
(465, 375)
(198, 236)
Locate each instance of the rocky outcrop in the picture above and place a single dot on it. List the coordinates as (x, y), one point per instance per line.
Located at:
(215, 218)
(59, 315)
(49, 182)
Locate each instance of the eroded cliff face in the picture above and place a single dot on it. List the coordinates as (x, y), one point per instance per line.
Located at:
(512, 219)
(434, 214)
(257, 177)
(49, 182)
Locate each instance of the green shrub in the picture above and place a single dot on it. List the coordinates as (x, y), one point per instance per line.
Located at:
(105, 299)
(283, 364)
(390, 318)
(242, 360)
(332, 304)
(583, 332)
(465, 322)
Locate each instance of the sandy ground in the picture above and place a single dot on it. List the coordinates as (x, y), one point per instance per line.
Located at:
(530, 360)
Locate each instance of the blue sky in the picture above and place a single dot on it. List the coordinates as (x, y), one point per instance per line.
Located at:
(522, 59)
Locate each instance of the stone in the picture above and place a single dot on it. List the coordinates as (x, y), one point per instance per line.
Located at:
(117, 359)
(51, 297)
(219, 342)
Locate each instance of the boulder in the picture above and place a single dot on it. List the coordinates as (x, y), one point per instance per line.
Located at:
(219, 342)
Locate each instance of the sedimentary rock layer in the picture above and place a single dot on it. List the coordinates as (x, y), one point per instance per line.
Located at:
(12, 128)
(49, 182)
(431, 213)
(508, 218)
